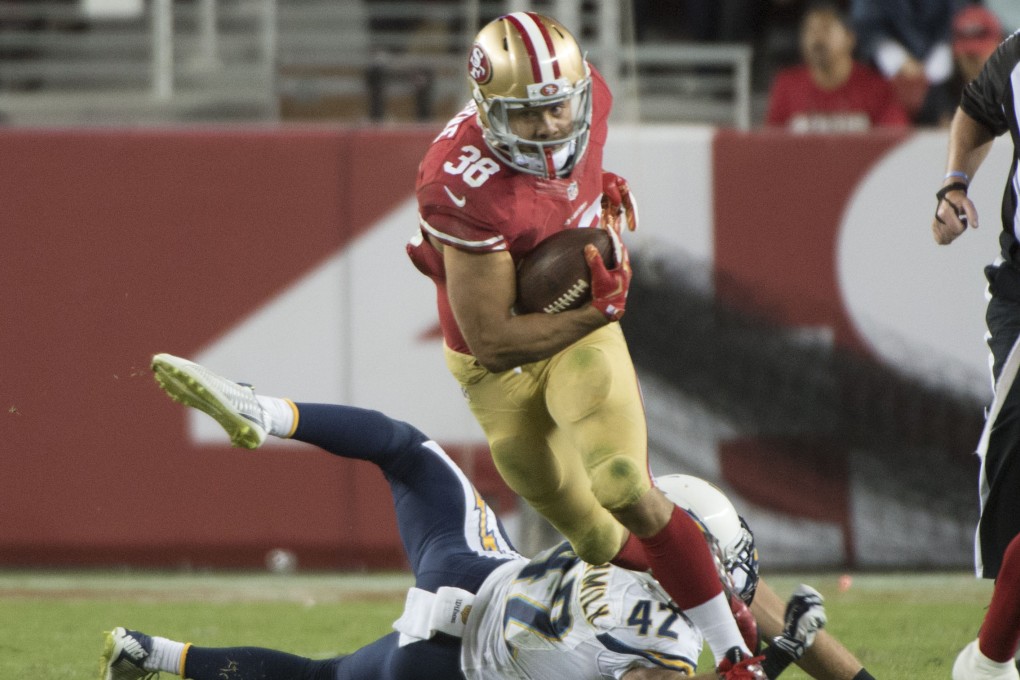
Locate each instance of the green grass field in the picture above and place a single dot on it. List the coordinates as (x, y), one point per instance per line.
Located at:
(902, 626)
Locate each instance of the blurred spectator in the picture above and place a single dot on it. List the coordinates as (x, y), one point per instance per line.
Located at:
(976, 34)
(782, 31)
(908, 40)
(830, 91)
(1008, 12)
(779, 43)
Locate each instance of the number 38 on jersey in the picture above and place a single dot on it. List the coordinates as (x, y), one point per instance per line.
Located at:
(472, 166)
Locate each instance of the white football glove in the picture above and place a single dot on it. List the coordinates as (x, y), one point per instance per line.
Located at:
(805, 616)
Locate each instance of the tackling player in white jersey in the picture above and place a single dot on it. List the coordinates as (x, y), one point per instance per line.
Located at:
(478, 610)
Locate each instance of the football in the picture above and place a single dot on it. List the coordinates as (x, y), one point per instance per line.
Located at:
(554, 277)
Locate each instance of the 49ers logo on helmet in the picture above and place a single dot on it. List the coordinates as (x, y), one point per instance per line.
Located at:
(549, 89)
(478, 65)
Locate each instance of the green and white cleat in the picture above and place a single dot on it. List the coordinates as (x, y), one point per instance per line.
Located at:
(123, 655)
(232, 405)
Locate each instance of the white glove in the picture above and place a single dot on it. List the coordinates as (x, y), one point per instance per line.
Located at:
(805, 616)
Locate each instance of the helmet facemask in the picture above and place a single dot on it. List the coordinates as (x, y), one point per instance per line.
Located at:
(547, 158)
(740, 560)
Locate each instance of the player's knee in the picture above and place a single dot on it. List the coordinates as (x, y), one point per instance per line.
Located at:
(583, 383)
(618, 482)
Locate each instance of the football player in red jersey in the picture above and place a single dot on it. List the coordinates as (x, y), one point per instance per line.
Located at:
(556, 394)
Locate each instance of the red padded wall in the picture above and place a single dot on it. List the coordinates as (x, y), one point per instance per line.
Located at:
(118, 244)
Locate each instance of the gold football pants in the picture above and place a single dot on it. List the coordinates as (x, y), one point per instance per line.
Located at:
(568, 434)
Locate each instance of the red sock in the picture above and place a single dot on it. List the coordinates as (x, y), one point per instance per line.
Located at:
(632, 555)
(682, 563)
(1000, 632)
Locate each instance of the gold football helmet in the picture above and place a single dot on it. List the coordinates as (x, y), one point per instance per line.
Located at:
(526, 60)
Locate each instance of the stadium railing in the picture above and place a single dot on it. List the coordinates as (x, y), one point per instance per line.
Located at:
(74, 62)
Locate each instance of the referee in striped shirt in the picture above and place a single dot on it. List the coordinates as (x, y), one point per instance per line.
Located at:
(990, 107)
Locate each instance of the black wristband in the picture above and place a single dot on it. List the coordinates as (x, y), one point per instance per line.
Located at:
(955, 186)
(776, 660)
(863, 674)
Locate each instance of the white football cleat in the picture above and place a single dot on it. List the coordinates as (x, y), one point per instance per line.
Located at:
(232, 405)
(123, 655)
(971, 664)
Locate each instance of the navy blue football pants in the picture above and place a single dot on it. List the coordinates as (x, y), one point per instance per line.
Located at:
(438, 513)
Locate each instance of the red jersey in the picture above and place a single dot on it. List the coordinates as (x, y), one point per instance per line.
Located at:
(864, 101)
(468, 199)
